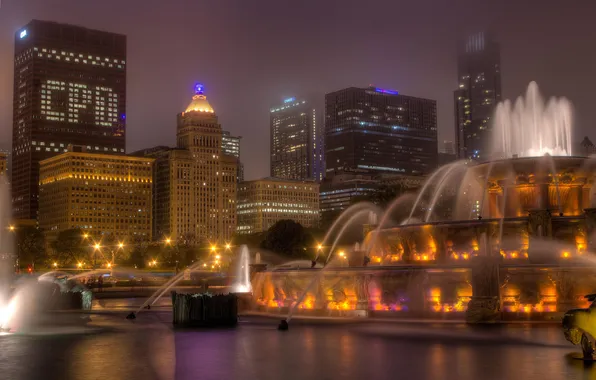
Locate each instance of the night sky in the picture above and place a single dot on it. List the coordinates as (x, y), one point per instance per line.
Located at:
(252, 53)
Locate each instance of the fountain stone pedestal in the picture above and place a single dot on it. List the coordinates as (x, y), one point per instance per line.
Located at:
(362, 282)
(485, 305)
(590, 217)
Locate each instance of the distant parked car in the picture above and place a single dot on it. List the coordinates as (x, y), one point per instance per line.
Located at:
(579, 327)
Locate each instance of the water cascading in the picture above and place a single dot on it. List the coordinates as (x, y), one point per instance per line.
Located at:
(531, 127)
(241, 282)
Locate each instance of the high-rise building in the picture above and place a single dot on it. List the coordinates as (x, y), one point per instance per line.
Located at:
(448, 147)
(3, 164)
(479, 79)
(339, 192)
(263, 202)
(69, 88)
(98, 193)
(379, 131)
(296, 141)
(195, 183)
(230, 145)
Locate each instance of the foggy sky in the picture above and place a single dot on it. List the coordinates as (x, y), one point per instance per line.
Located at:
(252, 53)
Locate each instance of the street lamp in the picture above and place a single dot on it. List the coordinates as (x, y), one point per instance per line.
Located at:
(217, 257)
(85, 235)
(213, 248)
(11, 228)
(55, 265)
(168, 241)
(228, 245)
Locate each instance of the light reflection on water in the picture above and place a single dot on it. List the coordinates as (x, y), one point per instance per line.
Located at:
(149, 348)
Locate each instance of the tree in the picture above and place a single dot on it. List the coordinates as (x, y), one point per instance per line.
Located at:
(70, 247)
(289, 238)
(251, 240)
(31, 247)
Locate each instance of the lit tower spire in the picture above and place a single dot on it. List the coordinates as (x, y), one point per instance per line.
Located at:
(199, 101)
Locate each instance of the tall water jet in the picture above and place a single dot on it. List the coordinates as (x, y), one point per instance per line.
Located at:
(241, 283)
(6, 245)
(531, 128)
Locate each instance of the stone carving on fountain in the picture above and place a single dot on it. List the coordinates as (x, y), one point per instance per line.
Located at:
(362, 294)
(540, 223)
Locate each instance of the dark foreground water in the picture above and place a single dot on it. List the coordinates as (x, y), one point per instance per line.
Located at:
(149, 348)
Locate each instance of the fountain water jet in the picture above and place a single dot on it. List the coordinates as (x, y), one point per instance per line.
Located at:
(340, 218)
(241, 282)
(531, 129)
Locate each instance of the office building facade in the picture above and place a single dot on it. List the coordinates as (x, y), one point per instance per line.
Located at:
(379, 131)
(479, 91)
(296, 141)
(263, 202)
(69, 88)
(230, 146)
(98, 193)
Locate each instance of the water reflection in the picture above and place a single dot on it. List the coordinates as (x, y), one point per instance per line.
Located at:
(150, 349)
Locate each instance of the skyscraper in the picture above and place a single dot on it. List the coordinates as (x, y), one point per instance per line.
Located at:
(230, 145)
(379, 131)
(69, 88)
(479, 78)
(3, 163)
(296, 141)
(195, 183)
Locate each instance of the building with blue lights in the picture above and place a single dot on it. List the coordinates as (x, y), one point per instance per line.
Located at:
(69, 89)
(379, 131)
(479, 91)
(296, 141)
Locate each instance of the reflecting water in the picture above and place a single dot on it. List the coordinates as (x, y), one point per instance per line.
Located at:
(149, 349)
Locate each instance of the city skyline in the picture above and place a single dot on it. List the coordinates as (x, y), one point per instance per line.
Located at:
(417, 73)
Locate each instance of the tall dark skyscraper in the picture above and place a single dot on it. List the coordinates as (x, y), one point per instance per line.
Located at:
(479, 78)
(379, 131)
(69, 88)
(296, 141)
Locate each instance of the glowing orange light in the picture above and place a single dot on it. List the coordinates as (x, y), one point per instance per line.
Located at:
(566, 254)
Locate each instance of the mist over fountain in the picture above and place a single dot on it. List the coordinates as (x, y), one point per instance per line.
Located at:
(531, 127)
